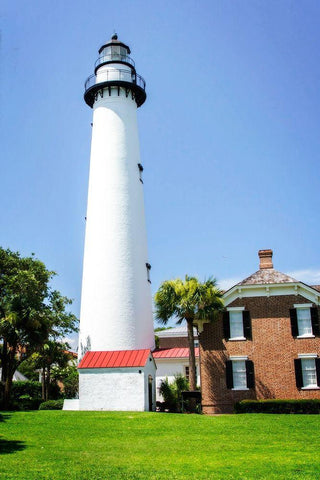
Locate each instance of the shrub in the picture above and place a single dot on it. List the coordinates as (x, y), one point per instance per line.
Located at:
(71, 383)
(68, 379)
(278, 406)
(171, 393)
(54, 391)
(25, 402)
(19, 389)
(52, 405)
(25, 395)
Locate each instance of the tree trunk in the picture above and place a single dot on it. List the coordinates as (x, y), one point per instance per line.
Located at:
(7, 392)
(47, 382)
(10, 369)
(4, 361)
(192, 358)
(43, 384)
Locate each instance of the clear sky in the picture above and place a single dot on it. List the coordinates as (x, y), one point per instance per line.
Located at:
(229, 132)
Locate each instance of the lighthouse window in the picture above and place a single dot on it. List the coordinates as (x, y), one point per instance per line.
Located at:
(140, 167)
(123, 52)
(148, 271)
(115, 50)
(107, 52)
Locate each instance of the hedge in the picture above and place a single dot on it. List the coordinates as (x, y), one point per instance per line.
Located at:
(19, 389)
(25, 402)
(52, 405)
(278, 406)
(25, 395)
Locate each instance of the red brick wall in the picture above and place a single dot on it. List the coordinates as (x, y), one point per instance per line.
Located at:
(272, 349)
(171, 342)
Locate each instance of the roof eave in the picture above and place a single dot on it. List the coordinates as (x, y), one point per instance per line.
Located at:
(271, 289)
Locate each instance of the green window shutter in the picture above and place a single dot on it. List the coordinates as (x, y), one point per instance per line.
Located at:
(294, 322)
(315, 321)
(298, 370)
(247, 330)
(226, 325)
(229, 374)
(250, 373)
(318, 370)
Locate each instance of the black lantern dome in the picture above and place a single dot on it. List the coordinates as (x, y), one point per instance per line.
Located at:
(115, 54)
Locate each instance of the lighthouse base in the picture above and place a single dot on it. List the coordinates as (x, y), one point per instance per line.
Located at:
(117, 388)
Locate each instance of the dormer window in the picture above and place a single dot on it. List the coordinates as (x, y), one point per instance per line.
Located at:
(304, 321)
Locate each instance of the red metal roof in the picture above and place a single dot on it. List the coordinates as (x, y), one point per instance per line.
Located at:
(173, 352)
(115, 359)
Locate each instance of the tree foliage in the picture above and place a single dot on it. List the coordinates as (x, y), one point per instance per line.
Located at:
(171, 392)
(156, 337)
(188, 300)
(51, 354)
(31, 312)
(69, 378)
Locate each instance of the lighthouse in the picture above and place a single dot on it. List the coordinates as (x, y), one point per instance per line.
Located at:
(116, 324)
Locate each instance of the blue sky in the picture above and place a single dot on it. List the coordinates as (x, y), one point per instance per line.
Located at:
(229, 132)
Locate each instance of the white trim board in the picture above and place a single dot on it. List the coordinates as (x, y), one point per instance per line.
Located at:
(268, 290)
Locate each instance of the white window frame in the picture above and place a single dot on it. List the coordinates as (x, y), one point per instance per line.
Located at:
(309, 356)
(235, 310)
(304, 306)
(236, 362)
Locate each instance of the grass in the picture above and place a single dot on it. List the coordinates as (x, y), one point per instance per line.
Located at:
(47, 445)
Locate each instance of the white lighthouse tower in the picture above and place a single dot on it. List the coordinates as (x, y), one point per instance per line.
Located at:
(116, 308)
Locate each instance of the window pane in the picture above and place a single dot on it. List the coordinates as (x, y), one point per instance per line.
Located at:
(123, 51)
(239, 374)
(236, 324)
(304, 321)
(309, 372)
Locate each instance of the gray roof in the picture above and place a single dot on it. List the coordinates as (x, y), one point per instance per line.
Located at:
(265, 276)
(17, 376)
(175, 332)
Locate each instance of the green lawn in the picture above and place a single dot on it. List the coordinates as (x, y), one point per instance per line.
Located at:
(92, 445)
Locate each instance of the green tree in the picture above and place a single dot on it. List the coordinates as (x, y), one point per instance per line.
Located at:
(156, 337)
(69, 377)
(172, 392)
(29, 369)
(51, 353)
(31, 312)
(188, 300)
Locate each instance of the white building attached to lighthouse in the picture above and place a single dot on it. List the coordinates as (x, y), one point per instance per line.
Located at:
(116, 305)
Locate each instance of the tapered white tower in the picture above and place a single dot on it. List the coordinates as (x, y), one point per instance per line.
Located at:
(116, 311)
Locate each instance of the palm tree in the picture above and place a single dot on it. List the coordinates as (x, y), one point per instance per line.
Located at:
(188, 300)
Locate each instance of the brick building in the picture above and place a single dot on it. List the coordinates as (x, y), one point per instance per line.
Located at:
(176, 337)
(266, 345)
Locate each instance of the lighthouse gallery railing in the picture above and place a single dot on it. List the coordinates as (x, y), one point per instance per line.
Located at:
(116, 75)
(114, 57)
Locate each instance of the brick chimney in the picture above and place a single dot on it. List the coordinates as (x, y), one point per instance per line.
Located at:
(265, 258)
